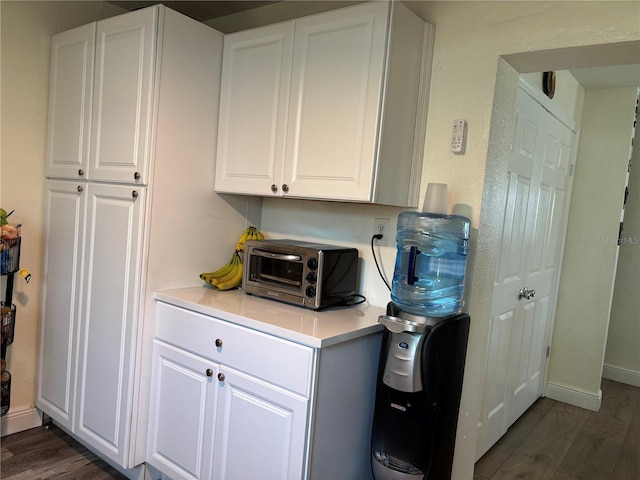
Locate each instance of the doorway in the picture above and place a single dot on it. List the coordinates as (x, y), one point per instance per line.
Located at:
(539, 184)
(506, 85)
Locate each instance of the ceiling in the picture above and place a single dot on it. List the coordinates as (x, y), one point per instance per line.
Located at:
(600, 77)
(608, 77)
(202, 10)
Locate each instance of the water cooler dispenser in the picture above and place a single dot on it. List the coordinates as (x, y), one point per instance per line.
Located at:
(423, 351)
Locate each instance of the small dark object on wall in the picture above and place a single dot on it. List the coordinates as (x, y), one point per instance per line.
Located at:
(549, 83)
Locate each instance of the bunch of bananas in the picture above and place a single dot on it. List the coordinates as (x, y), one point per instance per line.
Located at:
(229, 275)
(250, 233)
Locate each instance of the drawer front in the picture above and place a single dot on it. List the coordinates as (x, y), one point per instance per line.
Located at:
(261, 355)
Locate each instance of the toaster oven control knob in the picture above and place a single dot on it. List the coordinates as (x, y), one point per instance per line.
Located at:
(311, 278)
(312, 263)
(311, 291)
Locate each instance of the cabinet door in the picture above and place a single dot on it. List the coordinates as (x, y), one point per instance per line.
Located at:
(65, 205)
(70, 90)
(260, 430)
(336, 87)
(109, 306)
(253, 108)
(181, 413)
(123, 97)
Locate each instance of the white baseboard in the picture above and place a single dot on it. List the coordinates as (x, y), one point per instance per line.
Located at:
(574, 396)
(622, 375)
(14, 422)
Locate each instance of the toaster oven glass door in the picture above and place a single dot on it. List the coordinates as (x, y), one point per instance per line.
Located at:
(285, 272)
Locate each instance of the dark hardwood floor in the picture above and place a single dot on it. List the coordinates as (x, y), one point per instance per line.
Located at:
(48, 453)
(556, 441)
(551, 441)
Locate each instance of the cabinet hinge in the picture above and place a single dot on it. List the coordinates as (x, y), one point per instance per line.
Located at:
(548, 350)
(571, 168)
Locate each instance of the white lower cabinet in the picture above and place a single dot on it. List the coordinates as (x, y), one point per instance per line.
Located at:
(260, 429)
(181, 412)
(229, 402)
(197, 405)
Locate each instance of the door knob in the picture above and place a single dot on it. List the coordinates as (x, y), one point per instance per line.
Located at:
(285, 187)
(218, 342)
(209, 372)
(526, 293)
(221, 377)
(274, 188)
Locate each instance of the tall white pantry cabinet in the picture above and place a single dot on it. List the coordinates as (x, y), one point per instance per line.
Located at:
(129, 210)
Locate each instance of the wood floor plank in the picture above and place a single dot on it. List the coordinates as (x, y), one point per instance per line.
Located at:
(5, 453)
(490, 463)
(521, 466)
(628, 464)
(543, 405)
(540, 454)
(48, 453)
(26, 475)
(556, 432)
(596, 450)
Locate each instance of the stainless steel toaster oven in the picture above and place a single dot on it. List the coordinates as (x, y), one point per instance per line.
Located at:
(302, 273)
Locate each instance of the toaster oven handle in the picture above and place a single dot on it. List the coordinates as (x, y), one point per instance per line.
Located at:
(277, 256)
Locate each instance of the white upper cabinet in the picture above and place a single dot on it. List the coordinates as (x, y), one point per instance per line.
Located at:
(71, 87)
(336, 113)
(253, 108)
(101, 98)
(123, 97)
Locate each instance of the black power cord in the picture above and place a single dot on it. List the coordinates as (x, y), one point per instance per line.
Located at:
(378, 236)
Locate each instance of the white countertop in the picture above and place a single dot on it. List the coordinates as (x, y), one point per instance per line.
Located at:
(301, 325)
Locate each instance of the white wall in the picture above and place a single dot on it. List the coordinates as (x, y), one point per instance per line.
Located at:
(26, 31)
(622, 358)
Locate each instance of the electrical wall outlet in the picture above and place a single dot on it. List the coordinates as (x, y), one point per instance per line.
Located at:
(381, 226)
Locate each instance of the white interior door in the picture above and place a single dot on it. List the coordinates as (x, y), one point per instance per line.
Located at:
(527, 276)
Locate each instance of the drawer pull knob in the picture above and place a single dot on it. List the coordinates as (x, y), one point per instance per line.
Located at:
(218, 342)
(80, 173)
(136, 176)
(80, 189)
(209, 372)
(221, 377)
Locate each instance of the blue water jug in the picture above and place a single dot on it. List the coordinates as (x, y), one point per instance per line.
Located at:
(431, 262)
